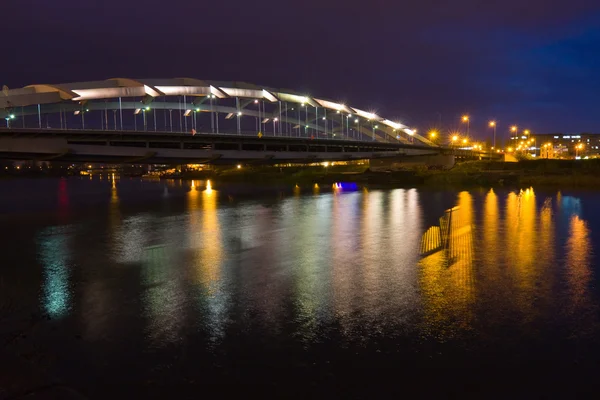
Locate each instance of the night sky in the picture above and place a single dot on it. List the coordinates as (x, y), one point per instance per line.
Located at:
(535, 63)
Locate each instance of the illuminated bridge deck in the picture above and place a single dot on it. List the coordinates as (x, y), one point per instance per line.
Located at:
(125, 146)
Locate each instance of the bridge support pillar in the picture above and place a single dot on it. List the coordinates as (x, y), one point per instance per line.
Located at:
(441, 161)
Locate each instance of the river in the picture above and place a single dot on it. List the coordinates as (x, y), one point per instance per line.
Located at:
(131, 282)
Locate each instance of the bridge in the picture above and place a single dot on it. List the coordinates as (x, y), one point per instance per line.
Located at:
(189, 120)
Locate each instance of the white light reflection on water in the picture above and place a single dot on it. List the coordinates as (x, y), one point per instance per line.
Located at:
(54, 254)
(311, 270)
(163, 296)
(343, 245)
(400, 253)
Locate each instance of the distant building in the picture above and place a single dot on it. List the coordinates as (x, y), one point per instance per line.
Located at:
(562, 145)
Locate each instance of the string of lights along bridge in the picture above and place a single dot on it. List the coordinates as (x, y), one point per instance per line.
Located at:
(195, 106)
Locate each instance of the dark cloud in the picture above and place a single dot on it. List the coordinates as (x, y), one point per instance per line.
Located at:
(528, 62)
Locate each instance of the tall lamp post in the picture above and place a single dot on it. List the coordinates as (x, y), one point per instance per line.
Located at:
(467, 120)
(493, 126)
(8, 118)
(577, 148)
(258, 119)
(514, 129)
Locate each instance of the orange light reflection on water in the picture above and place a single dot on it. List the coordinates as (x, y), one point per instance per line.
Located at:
(447, 276)
(578, 263)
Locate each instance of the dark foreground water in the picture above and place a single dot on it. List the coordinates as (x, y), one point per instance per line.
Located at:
(147, 288)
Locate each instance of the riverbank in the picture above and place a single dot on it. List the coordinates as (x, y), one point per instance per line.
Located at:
(547, 173)
(544, 173)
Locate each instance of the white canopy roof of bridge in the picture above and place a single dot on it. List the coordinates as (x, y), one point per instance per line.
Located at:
(125, 87)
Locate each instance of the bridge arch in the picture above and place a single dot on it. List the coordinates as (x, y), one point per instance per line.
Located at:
(235, 100)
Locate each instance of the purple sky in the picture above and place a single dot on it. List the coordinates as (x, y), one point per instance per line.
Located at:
(534, 63)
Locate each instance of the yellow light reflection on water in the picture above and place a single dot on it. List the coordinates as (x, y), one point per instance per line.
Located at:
(206, 230)
(516, 259)
(578, 264)
(493, 240)
(115, 217)
(316, 189)
(546, 241)
(521, 226)
(447, 276)
(490, 224)
(205, 250)
(114, 195)
(461, 249)
(524, 248)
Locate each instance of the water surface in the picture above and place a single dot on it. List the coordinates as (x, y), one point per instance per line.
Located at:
(136, 282)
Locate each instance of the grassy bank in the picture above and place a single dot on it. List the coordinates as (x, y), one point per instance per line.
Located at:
(290, 175)
(554, 173)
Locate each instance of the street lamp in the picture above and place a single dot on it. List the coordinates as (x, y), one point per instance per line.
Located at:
(454, 139)
(467, 120)
(8, 118)
(493, 125)
(546, 147)
(144, 116)
(348, 125)
(577, 148)
(514, 130)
